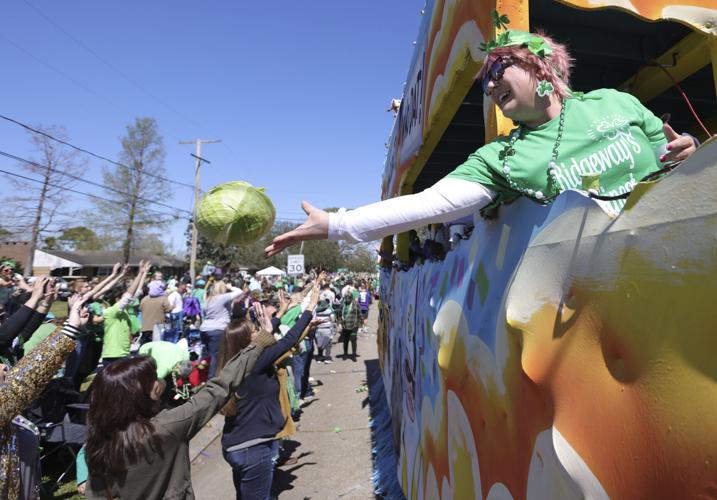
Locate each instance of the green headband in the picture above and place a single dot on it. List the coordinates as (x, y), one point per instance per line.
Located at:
(534, 43)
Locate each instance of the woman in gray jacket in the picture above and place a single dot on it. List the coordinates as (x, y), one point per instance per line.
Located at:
(136, 451)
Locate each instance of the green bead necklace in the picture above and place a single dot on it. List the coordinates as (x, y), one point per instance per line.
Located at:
(552, 172)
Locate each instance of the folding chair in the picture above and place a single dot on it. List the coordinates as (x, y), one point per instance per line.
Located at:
(60, 417)
(64, 436)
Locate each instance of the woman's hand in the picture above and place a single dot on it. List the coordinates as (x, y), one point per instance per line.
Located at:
(315, 291)
(78, 314)
(38, 287)
(679, 147)
(51, 291)
(144, 266)
(262, 317)
(22, 284)
(283, 301)
(316, 227)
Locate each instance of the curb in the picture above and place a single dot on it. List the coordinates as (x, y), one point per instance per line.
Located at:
(211, 431)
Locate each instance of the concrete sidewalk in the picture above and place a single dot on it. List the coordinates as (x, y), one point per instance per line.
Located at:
(333, 444)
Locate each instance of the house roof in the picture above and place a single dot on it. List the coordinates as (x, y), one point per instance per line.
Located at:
(18, 250)
(108, 258)
(44, 259)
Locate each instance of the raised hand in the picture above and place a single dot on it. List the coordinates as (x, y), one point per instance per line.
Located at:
(679, 147)
(315, 291)
(75, 304)
(316, 227)
(283, 301)
(262, 317)
(38, 287)
(52, 288)
(116, 268)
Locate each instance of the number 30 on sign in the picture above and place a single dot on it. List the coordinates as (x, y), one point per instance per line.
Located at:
(295, 265)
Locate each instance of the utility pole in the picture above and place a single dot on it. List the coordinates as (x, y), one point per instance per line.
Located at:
(197, 189)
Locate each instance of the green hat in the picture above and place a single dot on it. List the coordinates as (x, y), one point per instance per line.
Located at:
(8, 263)
(534, 43)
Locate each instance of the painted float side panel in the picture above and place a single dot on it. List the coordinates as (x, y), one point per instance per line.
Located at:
(563, 353)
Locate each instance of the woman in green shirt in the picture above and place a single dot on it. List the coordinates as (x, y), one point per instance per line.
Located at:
(560, 136)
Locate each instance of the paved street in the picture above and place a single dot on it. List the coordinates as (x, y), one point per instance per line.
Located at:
(332, 445)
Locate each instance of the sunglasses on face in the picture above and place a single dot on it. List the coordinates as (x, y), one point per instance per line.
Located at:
(495, 73)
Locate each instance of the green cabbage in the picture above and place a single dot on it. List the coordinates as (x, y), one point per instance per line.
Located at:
(234, 213)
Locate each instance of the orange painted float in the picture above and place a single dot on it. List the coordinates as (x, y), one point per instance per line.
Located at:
(558, 351)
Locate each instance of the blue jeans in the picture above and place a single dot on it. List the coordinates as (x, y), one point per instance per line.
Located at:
(301, 366)
(253, 470)
(177, 321)
(212, 340)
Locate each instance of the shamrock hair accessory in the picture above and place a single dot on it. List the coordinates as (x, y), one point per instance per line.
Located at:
(544, 88)
(534, 43)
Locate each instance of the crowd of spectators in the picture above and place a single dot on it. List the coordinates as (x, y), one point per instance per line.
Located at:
(142, 362)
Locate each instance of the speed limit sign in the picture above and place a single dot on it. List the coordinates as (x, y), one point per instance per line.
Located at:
(295, 265)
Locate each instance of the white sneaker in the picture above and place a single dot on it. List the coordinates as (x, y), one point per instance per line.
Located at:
(327, 361)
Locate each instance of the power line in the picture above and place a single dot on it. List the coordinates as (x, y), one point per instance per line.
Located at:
(111, 66)
(60, 72)
(175, 216)
(125, 193)
(89, 90)
(82, 150)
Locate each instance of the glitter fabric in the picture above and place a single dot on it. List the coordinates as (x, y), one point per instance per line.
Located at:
(23, 384)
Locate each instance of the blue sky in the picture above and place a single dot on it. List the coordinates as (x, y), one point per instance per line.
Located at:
(297, 91)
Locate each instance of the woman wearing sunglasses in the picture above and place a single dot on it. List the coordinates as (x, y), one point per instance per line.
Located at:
(559, 137)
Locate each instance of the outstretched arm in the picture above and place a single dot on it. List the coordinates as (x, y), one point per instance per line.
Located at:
(16, 323)
(447, 200)
(129, 294)
(186, 420)
(110, 281)
(26, 380)
(295, 333)
(139, 279)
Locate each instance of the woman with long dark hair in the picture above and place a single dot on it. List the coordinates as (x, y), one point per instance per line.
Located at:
(254, 417)
(134, 450)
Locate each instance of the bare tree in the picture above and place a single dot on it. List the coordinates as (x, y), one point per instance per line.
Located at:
(36, 205)
(132, 190)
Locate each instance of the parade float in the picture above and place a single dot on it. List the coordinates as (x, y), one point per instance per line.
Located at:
(557, 351)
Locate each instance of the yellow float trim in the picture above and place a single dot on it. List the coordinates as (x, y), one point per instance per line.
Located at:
(687, 57)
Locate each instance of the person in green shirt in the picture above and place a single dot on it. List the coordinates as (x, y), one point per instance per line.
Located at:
(561, 139)
(167, 355)
(118, 321)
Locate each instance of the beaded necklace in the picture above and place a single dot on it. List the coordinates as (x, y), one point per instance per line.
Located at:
(543, 198)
